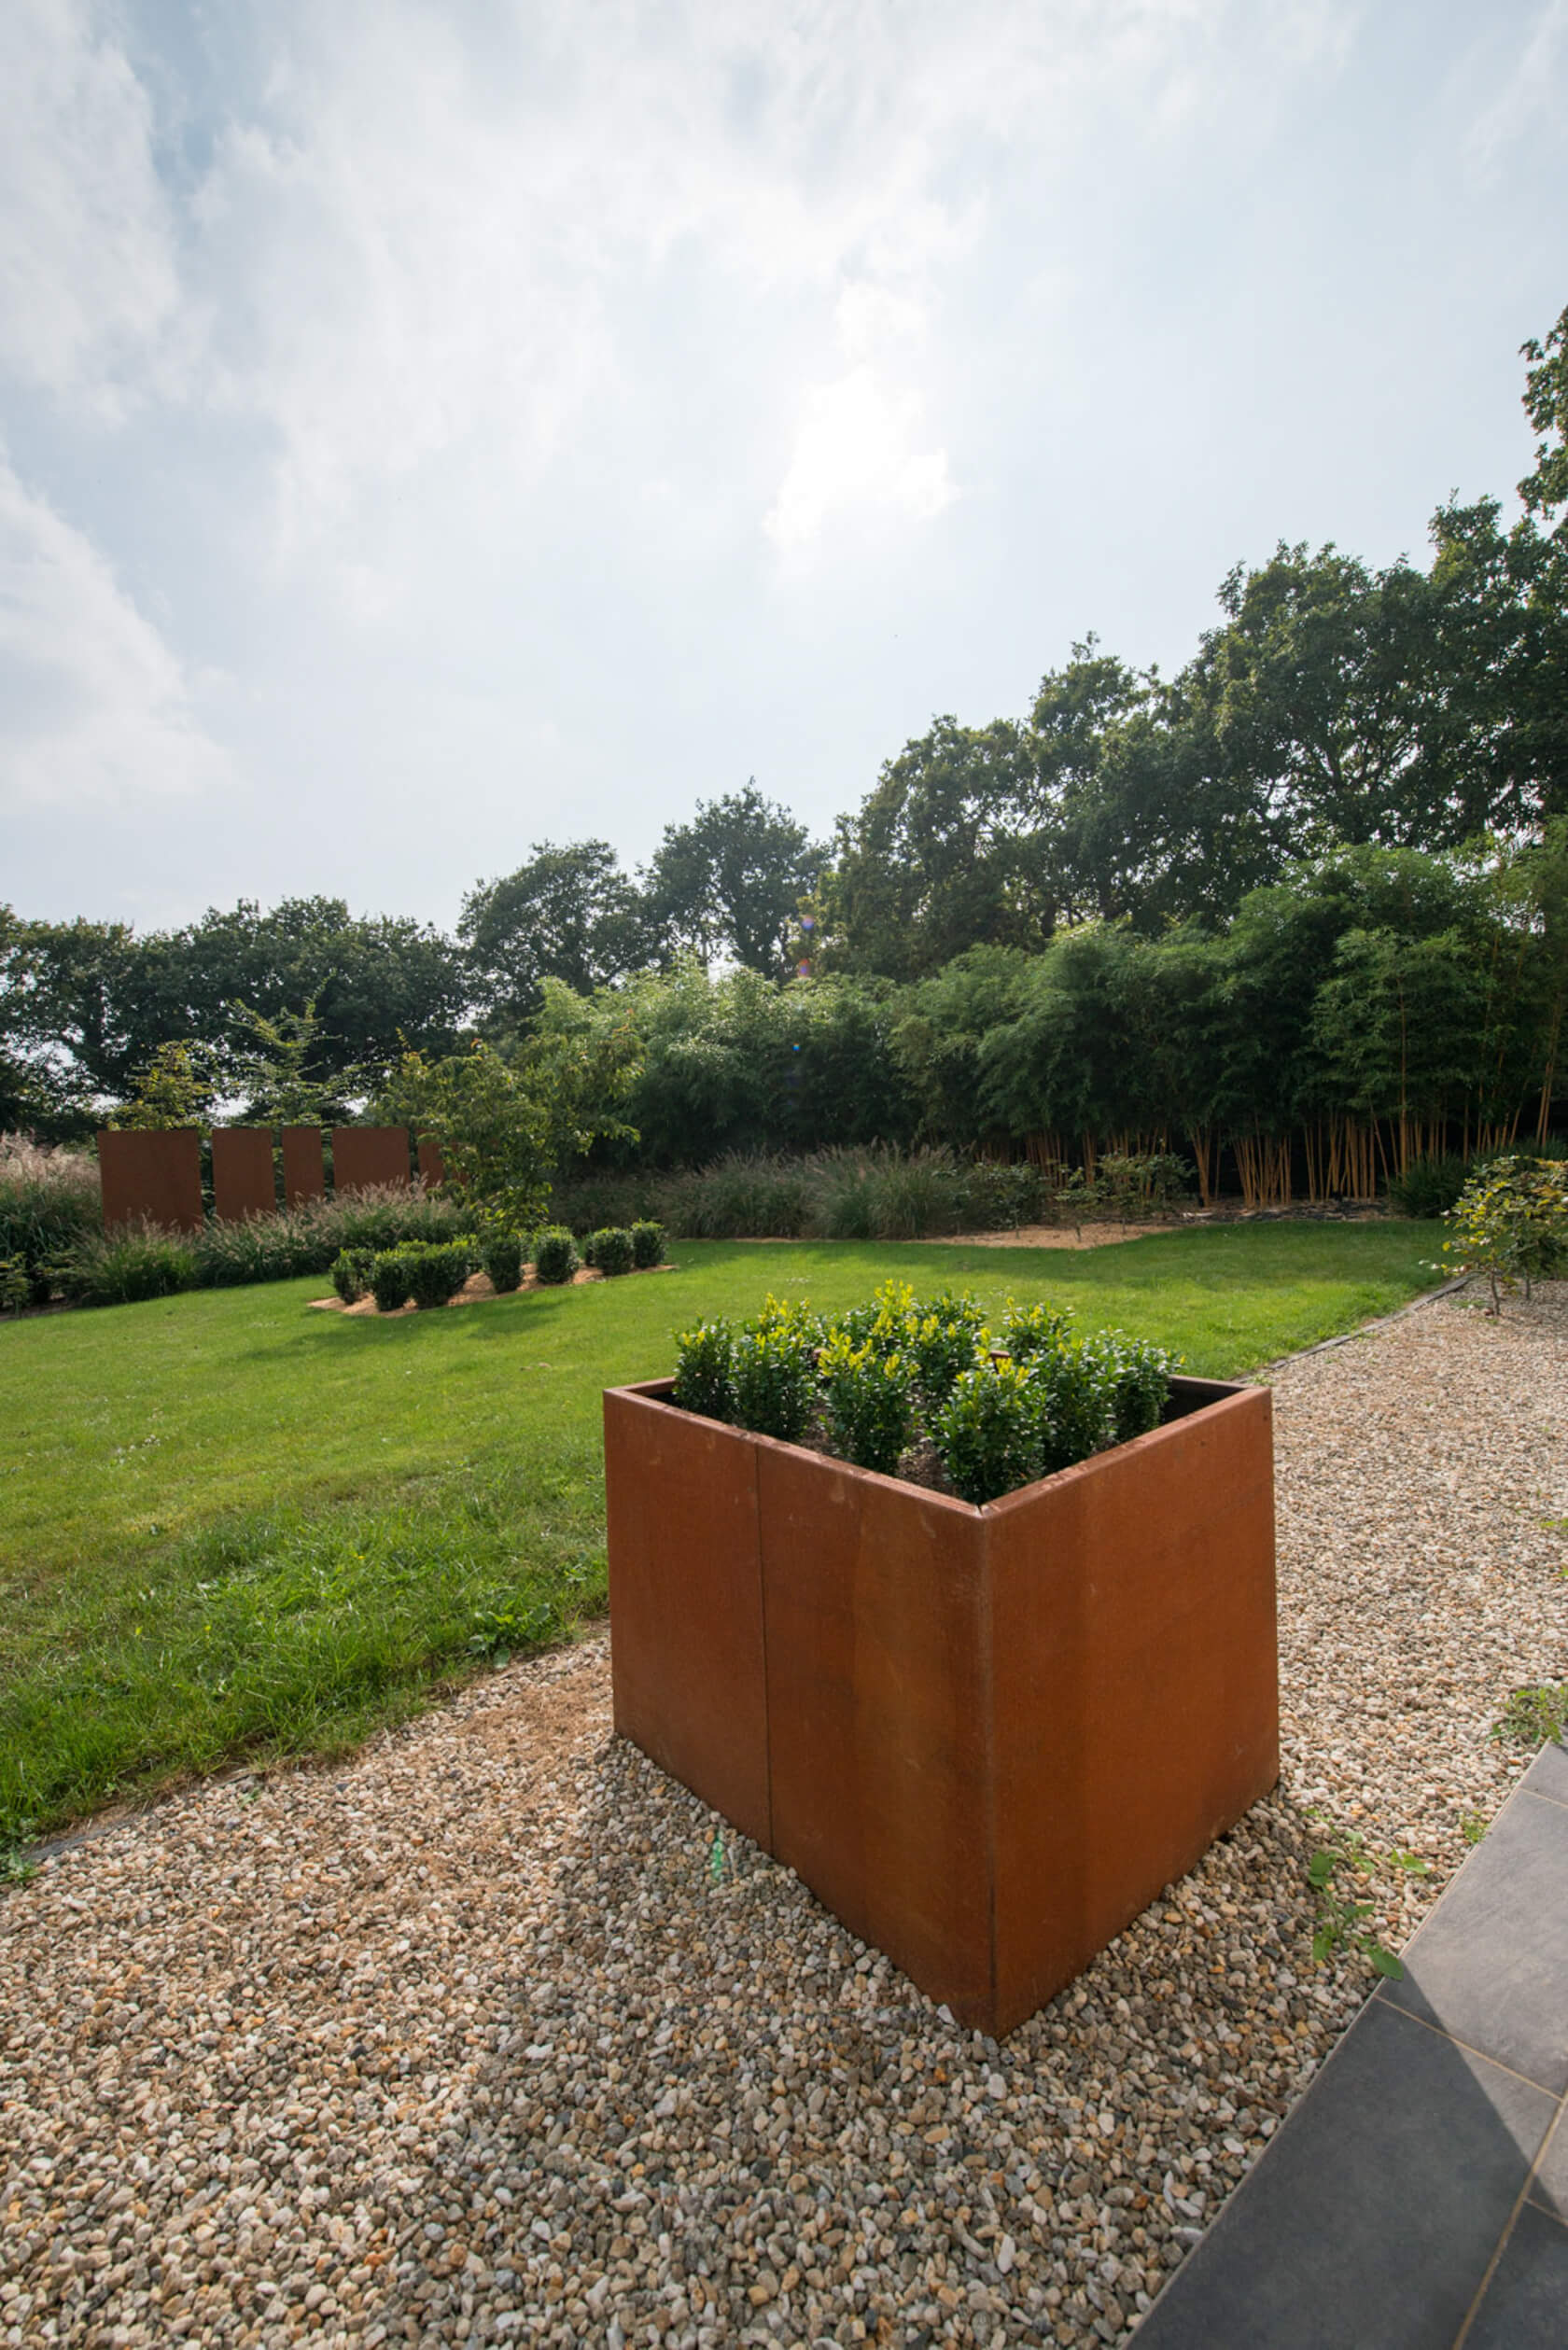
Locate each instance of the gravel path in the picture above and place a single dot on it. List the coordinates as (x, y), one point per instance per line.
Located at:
(469, 2042)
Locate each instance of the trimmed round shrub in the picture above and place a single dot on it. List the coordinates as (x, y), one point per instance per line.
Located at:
(705, 1370)
(775, 1379)
(613, 1250)
(437, 1273)
(648, 1244)
(390, 1281)
(502, 1257)
(868, 1399)
(988, 1431)
(351, 1273)
(555, 1258)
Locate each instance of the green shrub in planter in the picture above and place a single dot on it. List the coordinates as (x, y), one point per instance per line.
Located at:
(1139, 1376)
(705, 1371)
(613, 1250)
(942, 1341)
(437, 1273)
(555, 1258)
(868, 1399)
(351, 1273)
(391, 1280)
(1028, 1331)
(774, 1370)
(989, 1433)
(502, 1257)
(648, 1244)
(1077, 1387)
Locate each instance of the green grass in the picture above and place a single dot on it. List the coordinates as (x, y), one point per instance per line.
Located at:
(235, 1527)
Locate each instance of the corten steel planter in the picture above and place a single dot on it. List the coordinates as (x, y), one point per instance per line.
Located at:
(985, 1738)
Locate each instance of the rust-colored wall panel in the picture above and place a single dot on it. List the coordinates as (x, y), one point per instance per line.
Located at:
(155, 1175)
(363, 1155)
(431, 1165)
(304, 1169)
(686, 1602)
(245, 1181)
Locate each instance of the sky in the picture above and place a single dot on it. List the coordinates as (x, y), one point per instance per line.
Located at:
(428, 429)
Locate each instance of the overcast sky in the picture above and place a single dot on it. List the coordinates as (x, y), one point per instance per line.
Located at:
(426, 429)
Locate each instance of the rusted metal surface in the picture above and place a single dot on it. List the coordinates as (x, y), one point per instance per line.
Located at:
(364, 1155)
(873, 1598)
(985, 1738)
(154, 1176)
(1133, 1677)
(431, 1165)
(686, 1602)
(304, 1170)
(244, 1180)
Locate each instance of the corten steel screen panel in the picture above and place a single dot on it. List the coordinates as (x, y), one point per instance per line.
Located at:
(245, 1180)
(431, 1165)
(304, 1170)
(155, 1176)
(363, 1155)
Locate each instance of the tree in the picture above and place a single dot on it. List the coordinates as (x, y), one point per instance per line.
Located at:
(274, 1072)
(729, 884)
(1544, 490)
(568, 913)
(945, 854)
(175, 1088)
(493, 1131)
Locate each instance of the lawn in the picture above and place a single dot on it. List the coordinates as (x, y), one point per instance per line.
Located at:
(235, 1527)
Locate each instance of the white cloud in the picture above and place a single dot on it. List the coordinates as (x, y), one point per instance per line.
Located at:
(857, 449)
(1531, 90)
(95, 710)
(87, 273)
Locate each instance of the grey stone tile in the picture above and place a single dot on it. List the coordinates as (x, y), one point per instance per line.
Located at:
(1525, 2306)
(1547, 1774)
(1550, 2186)
(1491, 1963)
(1372, 2216)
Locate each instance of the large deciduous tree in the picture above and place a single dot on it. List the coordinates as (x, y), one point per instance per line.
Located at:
(568, 913)
(728, 884)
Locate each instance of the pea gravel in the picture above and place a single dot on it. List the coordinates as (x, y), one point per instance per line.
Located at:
(496, 2036)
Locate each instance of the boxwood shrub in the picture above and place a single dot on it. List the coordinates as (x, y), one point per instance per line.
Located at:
(351, 1273)
(391, 1280)
(501, 1256)
(437, 1271)
(647, 1243)
(612, 1249)
(998, 1409)
(555, 1258)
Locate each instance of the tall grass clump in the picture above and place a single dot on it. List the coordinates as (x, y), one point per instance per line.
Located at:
(746, 1195)
(138, 1261)
(49, 1201)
